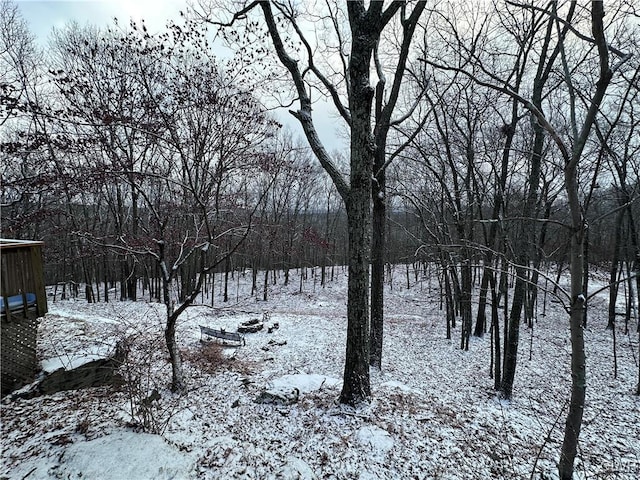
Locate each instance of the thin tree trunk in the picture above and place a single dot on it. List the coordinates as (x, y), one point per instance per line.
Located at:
(585, 274)
(448, 303)
(377, 270)
(481, 317)
(465, 303)
(106, 279)
(613, 272)
(638, 385)
(495, 327)
(512, 335)
(573, 424)
(254, 277)
(578, 236)
(265, 286)
(227, 267)
(177, 377)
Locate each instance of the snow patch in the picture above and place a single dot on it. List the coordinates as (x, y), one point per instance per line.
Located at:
(50, 365)
(376, 438)
(365, 475)
(297, 469)
(305, 383)
(125, 455)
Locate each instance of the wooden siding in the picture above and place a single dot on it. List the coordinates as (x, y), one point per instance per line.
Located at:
(21, 273)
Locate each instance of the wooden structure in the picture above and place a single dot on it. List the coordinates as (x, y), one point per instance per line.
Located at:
(23, 299)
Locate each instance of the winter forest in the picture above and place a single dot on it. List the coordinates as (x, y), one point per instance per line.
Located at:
(447, 278)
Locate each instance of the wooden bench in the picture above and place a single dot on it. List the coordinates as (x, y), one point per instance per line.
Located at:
(222, 334)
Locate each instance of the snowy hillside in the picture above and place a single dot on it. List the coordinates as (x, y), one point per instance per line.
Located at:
(434, 414)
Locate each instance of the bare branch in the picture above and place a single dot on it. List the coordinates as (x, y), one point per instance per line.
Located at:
(344, 112)
(304, 114)
(569, 26)
(542, 120)
(239, 15)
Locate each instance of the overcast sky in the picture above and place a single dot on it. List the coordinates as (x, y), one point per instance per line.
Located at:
(43, 15)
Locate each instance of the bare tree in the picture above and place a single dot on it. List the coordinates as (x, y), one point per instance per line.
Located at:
(571, 151)
(361, 39)
(22, 142)
(18, 60)
(183, 139)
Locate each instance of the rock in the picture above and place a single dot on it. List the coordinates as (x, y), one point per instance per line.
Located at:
(274, 343)
(279, 396)
(94, 373)
(251, 326)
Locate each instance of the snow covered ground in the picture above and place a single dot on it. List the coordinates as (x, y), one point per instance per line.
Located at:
(434, 414)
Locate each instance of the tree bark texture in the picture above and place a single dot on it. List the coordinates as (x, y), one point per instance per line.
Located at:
(578, 362)
(356, 386)
(177, 376)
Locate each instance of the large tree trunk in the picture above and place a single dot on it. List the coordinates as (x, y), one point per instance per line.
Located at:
(356, 387)
(366, 23)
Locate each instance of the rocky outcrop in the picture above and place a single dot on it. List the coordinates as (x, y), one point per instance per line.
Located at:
(93, 373)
